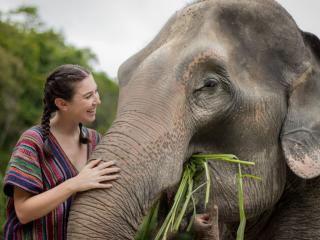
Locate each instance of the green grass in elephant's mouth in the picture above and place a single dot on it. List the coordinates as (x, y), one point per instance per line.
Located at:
(196, 166)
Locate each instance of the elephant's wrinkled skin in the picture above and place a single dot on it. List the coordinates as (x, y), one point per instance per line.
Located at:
(221, 77)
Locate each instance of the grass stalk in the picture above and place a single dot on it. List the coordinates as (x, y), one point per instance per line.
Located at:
(198, 164)
(221, 157)
(205, 164)
(185, 205)
(242, 225)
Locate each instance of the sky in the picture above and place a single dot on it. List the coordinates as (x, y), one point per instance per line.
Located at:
(115, 30)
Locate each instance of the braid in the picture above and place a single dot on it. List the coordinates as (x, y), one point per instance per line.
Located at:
(60, 84)
(83, 138)
(45, 126)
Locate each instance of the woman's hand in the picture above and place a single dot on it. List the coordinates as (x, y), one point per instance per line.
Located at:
(95, 175)
(30, 207)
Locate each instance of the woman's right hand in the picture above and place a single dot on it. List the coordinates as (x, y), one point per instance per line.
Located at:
(95, 176)
(29, 207)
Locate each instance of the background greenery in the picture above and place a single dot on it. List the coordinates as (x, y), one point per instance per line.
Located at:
(29, 50)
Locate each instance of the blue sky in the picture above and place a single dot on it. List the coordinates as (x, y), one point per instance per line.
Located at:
(115, 30)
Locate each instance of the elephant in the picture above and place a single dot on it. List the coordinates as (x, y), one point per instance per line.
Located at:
(234, 76)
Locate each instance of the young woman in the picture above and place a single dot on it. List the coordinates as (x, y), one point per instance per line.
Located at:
(49, 163)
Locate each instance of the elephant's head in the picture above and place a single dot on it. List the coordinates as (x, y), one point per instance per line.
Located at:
(221, 77)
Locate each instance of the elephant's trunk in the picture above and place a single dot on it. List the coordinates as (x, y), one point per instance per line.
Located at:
(147, 155)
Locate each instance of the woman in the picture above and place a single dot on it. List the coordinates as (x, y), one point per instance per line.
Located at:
(49, 162)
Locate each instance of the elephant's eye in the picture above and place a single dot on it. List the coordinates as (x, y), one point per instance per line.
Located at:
(211, 82)
(208, 85)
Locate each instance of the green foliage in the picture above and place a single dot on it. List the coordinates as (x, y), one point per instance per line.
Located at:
(28, 52)
(148, 225)
(189, 184)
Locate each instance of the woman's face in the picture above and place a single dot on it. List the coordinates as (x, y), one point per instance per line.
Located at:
(83, 105)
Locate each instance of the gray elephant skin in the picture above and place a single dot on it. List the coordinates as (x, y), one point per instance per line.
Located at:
(235, 76)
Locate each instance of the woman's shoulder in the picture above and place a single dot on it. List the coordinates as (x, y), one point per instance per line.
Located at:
(92, 134)
(32, 135)
(24, 168)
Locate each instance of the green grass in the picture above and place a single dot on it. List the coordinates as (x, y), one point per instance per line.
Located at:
(195, 167)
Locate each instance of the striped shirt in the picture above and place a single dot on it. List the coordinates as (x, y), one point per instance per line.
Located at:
(31, 171)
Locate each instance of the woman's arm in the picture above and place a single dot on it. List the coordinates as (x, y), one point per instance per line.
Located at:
(29, 207)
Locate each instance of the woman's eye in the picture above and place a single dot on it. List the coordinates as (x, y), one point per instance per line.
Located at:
(211, 82)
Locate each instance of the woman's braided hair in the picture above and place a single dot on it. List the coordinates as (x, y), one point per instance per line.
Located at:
(60, 84)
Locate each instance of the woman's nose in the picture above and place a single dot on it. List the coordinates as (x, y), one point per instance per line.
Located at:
(97, 99)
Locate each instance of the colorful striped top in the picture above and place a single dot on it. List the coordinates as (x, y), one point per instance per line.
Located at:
(31, 171)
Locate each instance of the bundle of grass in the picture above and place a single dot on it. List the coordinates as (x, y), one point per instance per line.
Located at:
(195, 167)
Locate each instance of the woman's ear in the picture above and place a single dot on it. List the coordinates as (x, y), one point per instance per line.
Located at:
(61, 104)
(300, 137)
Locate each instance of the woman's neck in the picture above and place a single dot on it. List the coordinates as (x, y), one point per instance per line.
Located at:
(63, 126)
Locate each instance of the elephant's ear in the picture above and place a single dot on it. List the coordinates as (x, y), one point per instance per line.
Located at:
(300, 135)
